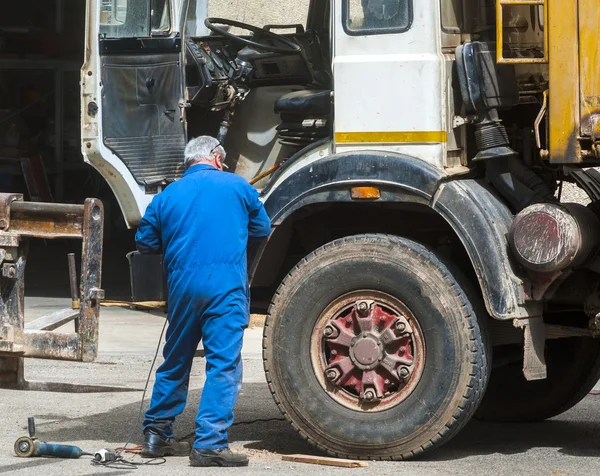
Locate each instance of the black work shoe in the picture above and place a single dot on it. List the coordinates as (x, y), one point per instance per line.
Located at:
(155, 446)
(221, 457)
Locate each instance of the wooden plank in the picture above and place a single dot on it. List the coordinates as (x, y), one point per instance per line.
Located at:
(325, 461)
(52, 321)
(139, 305)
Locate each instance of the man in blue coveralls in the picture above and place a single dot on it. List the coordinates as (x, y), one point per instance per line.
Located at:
(202, 224)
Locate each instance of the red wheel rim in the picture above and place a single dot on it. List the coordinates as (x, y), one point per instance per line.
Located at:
(368, 351)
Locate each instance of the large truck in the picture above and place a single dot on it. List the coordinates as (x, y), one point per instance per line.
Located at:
(423, 267)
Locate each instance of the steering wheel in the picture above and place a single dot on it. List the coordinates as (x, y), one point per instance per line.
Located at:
(290, 46)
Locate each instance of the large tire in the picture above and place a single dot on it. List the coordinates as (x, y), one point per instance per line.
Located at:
(573, 370)
(453, 370)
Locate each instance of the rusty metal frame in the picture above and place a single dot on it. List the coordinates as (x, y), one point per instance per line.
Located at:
(19, 221)
(500, 4)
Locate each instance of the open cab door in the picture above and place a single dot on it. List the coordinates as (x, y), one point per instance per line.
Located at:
(133, 117)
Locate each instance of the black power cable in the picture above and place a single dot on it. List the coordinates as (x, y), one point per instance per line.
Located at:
(141, 410)
(258, 420)
(119, 461)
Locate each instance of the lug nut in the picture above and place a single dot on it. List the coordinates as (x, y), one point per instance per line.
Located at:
(9, 270)
(369, 395)
(363, 308)
(330, 331)
(332, 375)
(333, 353)
(403, 372)
(400, 326)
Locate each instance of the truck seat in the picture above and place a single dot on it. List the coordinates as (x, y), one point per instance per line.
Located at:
(304, 102)
(305, 117)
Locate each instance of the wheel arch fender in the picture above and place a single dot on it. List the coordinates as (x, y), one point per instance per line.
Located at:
(482, 222)
(479, 219)
(398, 176)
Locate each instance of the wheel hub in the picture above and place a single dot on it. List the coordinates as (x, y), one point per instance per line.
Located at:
(369, 350)
(366, 351)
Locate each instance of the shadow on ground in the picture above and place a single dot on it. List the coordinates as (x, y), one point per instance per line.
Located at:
(576, 438)
(115, 426)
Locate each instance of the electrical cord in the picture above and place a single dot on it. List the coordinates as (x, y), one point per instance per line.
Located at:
(141, 410)
(258, 420)
(119, 460)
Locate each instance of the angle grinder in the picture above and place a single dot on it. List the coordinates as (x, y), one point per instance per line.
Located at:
(30, 446)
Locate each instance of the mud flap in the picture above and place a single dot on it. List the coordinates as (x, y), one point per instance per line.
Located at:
(534, 361)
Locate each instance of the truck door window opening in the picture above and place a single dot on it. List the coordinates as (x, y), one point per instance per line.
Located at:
(113, 12)
(160, 16)
(376, 17)
(134, 18)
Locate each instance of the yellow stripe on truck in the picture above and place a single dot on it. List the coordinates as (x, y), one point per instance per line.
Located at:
(412, 137)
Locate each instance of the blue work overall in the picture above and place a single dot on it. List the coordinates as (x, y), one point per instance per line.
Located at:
(202, 224)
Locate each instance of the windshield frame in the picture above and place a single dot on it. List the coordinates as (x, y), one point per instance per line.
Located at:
(138, 19)
(199, 10)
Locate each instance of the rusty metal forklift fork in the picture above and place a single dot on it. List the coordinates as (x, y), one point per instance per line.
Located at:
(20, 221)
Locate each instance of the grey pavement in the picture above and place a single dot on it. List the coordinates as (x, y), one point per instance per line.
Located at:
(569, 444)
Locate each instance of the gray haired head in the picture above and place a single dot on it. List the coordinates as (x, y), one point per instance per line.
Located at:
(202, 150)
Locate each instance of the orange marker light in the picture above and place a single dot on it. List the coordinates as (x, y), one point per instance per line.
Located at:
(365, 193)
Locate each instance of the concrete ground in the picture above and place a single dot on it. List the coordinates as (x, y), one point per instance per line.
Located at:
(569, 444)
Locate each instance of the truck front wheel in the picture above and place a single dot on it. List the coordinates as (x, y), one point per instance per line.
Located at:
(373, 350)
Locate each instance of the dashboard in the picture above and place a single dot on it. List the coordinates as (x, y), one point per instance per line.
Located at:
(217, 72)
(209, 70)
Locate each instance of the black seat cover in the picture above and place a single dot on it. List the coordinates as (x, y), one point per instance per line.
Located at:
(304, 102)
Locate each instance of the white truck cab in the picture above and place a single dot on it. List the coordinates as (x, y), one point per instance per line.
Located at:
(156, 76)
